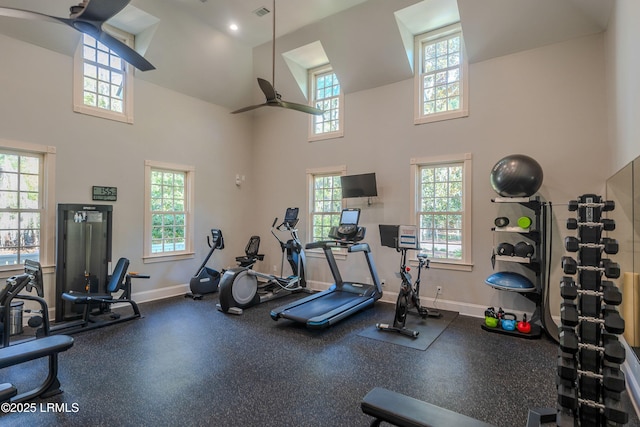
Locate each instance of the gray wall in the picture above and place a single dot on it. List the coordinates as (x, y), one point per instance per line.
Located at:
(548, 103)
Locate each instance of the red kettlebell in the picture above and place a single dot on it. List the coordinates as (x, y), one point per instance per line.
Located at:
(524, 326)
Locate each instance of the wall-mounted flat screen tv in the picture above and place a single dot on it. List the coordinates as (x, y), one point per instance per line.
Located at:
(363, 185)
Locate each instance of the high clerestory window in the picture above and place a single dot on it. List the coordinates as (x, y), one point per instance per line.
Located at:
(326, 94)
(441, 75)
(103, 82)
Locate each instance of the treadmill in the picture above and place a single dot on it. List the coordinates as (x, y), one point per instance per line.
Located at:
(342, 299)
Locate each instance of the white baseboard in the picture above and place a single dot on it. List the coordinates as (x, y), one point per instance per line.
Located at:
(162, 293)
(466, 309)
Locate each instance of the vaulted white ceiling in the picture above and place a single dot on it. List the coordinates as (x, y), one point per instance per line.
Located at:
(196, 53)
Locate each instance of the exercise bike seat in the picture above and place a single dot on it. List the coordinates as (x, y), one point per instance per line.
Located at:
(251, 253)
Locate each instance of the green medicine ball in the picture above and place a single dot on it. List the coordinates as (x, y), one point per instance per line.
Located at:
(524, 222)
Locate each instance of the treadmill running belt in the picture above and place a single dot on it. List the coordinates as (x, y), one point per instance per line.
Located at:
(323, 305)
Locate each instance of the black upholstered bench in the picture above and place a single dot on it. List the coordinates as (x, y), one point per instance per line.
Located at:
(398, 409)
(32, 350)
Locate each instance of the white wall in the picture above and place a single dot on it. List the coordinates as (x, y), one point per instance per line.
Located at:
(36, 106)
(548, 103)
(623, 87)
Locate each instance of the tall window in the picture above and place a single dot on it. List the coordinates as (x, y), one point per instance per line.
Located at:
(103, 81)
(441, 75)
(25, 225)
(169, 216)
(442, 207)
(326, 95)
(325, 201)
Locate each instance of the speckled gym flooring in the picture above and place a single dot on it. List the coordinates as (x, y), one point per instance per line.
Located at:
(187, 364)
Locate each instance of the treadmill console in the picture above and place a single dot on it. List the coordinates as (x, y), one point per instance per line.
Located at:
(348, 230)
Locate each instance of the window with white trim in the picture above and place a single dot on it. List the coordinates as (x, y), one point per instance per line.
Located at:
(441, 76)
(169, 211)
(326, 94)
(26, 196)
(442, 208)
(325, 201)
(103, 82)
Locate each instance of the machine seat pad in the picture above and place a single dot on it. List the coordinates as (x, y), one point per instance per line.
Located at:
(83, 298)
(34, 349)
(401, 410)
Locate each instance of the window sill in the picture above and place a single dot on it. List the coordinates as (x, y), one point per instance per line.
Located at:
(149, 259)
(326, 136)
(420, 120)
(319, 253)
(444, 265)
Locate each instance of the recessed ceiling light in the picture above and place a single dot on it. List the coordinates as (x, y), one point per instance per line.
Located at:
(233, 27)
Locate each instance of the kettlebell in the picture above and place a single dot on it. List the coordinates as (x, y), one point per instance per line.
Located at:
(505, 249)
(508, 324)
(524, 326)
(523, 249)
(491, 318)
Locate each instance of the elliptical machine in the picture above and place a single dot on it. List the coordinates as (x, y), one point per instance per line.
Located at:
(403, 239)
(240, 288)
(206, 279)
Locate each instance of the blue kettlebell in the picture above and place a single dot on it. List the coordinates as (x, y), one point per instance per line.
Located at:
(508, 322)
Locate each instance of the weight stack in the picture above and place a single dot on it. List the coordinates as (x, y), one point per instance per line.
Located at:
(590, 382)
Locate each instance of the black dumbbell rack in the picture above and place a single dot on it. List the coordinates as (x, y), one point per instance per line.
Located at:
(590, 381)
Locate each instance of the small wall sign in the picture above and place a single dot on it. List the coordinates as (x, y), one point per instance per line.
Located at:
(105, 193)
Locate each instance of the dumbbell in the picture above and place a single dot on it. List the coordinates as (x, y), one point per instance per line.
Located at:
(612, 378)
(567, 369)
(568, 288)
(569, 314)
(608, 205)
(613, 322)
(614, 352)
(569, 341)
(569, 265)
(611, 269)
(610, 245)
(567, 397)
(606, 224)
(611, 293)
(613, 411)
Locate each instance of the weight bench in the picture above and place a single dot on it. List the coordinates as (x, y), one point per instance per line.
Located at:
(405, 411)
(31, 350)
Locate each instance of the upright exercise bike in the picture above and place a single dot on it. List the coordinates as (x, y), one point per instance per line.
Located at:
(242, 287)
(409, 294)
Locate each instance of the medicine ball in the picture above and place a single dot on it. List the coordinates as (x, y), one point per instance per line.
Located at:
(505, 249)
(523, 249)
(516, 175)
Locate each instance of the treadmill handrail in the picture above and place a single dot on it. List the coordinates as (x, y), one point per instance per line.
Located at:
(321, 244)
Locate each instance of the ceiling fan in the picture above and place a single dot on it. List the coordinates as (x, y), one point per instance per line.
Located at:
(273, 98)
(88, 17)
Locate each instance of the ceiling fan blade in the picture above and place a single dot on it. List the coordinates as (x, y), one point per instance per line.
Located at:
(125, 52)
(301, 107)
(100, 10)
(89, 20)
(267, 89)
(252, 107)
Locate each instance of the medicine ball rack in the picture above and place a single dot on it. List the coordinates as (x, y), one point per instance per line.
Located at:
(590, 383)
(537, 263)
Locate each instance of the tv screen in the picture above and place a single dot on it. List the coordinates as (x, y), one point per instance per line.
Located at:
(363, 185)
